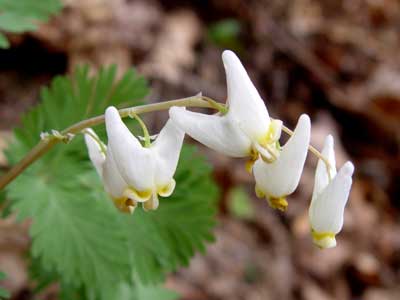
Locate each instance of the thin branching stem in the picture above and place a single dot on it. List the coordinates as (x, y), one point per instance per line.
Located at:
(49, 142)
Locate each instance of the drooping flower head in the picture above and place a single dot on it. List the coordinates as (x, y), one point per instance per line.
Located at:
(103, 161)
(277, 179)
(330, 195)
(245, 130)
(131, 172)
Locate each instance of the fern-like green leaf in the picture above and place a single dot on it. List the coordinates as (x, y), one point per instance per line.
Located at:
(4, 294)
(138, 291)
(78, 236)
(23, 15)
(75, 230)
(162, 240)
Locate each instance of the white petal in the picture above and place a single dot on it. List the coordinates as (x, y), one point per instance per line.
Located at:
(281, 177)
(167, 148)
(327, 209)
(135, 163)
(95, 154)
(114, 184)
(168, 189)
(245, 103)
(321, 174)
(216, 132)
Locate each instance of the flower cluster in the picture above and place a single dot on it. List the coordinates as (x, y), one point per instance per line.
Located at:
(133, 173)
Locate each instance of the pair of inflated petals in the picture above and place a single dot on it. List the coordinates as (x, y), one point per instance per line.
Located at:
(130, 172)
(330, 195)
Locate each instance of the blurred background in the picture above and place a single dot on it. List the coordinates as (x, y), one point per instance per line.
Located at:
(337, 61)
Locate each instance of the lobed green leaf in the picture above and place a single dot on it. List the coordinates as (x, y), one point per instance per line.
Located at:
(24, 15)
(77, 235)
(4, 294)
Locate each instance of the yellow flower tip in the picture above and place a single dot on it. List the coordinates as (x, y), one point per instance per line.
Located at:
(139, 196)
(167, 190)
(324, 240)
(259, 192)
(125, 205)
(249, 165)
(144, 194)
(278, 203)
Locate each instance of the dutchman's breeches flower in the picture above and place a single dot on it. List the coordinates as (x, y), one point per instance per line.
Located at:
(245, 130)
(330, 195)
(148, 171)
(130, 172)
(280, 178)
(103, 161)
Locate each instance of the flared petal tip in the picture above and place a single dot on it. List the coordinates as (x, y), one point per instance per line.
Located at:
(304, 122)
(168, 189)
(232, 63)
(304, 118)
(111, 117)
(347, 169)
(111, 110)
(229, 56)
(329, 143)
(324, 240)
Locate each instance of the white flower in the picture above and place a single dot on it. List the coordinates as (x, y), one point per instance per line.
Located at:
(330, 195)
(280, 178)
(148, 172)
(130, 172)
(245, 130)
(103, 161)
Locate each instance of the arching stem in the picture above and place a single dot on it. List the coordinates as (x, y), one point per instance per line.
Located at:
(146, 134)
(50, 141)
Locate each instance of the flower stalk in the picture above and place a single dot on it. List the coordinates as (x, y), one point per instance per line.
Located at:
(50, 141)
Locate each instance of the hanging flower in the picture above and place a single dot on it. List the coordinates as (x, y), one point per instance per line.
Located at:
(130, 172)
(245, 130)
(280, 178)
(330, 195)
(147, 171)
(103, 161)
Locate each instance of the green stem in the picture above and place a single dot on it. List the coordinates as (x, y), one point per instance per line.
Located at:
(146, 134)
(103, 148)
(46, 144)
